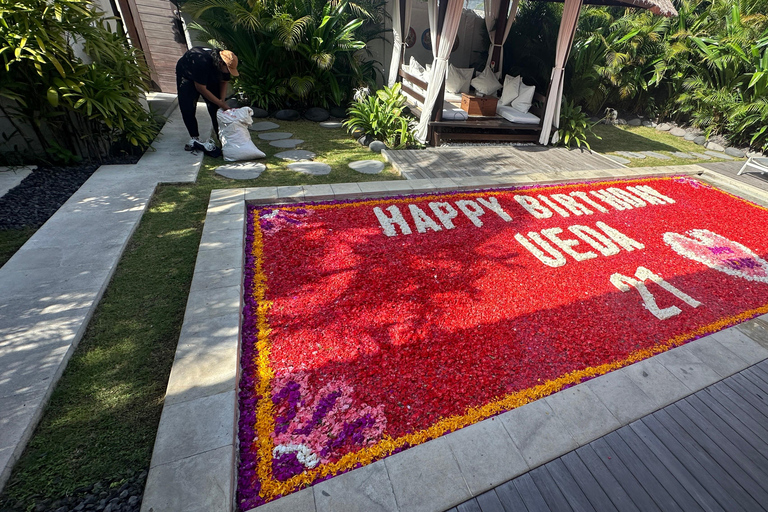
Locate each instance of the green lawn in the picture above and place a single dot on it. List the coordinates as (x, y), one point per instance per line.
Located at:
(641, 138)
(102, 418)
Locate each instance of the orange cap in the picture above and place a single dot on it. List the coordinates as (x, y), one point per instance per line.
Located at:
(230, 59)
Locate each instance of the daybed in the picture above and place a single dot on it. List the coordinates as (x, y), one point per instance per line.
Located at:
(453, 123)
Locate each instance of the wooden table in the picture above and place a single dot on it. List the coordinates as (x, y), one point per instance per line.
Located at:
(479, 105)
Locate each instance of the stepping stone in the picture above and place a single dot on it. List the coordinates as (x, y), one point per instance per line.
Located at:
(286, 143)
(700, 140)
(680, 154)
(653, 154)
(263, 126)
(716, 154)
(689, 136)
(287, 115)
(331, 124)
(735, 152)
(621, 122)
(664, 127)
(297, 155)
(241, 171)
(701, 156)
(313, 168)
(635, 122)
(275, 135)
(367, 166)
(678, 132)
(317, 114)
(649, 124)
(630, 154)
(618, 159)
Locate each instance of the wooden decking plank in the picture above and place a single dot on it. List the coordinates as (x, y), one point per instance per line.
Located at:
(750, 392)
(530, 494)
(490, 502)
(722, 433)
(510, 497)
(572, 490)
(724, 417)
(646, 468)
(588, 484)
(737, 406)
(609, 481)
(754, 376)
(725, 453)
(715, 482)
(469, 506)
(549, 489)
(762, 365)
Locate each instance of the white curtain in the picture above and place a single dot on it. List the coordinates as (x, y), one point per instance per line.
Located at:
(564, 41)
(491, 15)
(399, 19)
(441, 50)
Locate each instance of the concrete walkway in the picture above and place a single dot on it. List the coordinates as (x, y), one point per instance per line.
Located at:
(52, 285)
(12, 176)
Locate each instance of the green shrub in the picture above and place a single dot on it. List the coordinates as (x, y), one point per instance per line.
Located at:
(382, 116)
(293, 53)
(73, 107)
(574, 126)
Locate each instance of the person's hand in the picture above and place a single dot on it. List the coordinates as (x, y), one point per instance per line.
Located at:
(224, 106)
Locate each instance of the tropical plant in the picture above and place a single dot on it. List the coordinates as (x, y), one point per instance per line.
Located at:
(65, 104)
(575, 126)
(383, 117)
(293, 52)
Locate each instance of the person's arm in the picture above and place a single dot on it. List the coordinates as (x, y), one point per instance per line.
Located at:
(205, 93)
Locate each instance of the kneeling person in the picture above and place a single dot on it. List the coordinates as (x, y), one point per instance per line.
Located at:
(203, 72)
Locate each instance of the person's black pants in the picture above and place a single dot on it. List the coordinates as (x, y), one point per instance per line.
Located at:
(188, 97)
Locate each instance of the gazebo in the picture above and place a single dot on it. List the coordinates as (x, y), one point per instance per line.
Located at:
(444, 17)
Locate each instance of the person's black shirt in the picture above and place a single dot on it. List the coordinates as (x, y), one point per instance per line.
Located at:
(197, 65)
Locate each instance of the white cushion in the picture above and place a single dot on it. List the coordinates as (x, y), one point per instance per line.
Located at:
(524, 100)
(458, 79)
(451, 113)
(486, 82)
(417, 69)
(452, 97)
(511, 89)
(515, 116)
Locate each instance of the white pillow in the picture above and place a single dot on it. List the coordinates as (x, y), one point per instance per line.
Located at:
(524, 100)
(417, 69)
(458, 79)
(511, 89)
(486, 82)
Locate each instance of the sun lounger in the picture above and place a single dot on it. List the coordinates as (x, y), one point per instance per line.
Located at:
(761, 164)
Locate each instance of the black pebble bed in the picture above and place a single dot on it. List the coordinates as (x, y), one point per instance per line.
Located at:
(42, 193)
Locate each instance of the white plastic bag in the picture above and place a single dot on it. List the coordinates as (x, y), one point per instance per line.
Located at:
(236, 143)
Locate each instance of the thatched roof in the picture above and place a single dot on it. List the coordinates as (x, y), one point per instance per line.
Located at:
(663, 7)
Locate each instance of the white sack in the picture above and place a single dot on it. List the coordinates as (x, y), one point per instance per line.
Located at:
(236, 143)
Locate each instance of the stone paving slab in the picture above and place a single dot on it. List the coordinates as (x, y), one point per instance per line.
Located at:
(367, 166)
(653, 154)
(313, 168)
(286, 143)
(241, 171)
(12, 176)
(65, 267)
(718, 154)
(275, 135)
(296, 155)
(263, 126)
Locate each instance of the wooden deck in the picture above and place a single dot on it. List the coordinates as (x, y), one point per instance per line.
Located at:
(468, 160)
(708, 451)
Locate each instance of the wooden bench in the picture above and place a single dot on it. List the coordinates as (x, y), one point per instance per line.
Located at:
(476, 128)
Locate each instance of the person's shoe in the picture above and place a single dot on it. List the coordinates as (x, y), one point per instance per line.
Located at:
(205, 146)
(189, 146)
